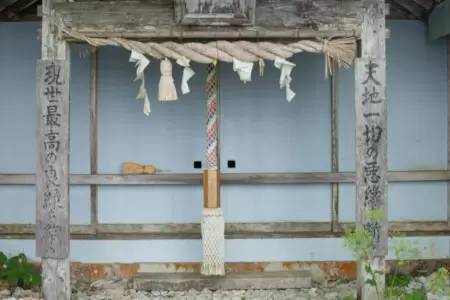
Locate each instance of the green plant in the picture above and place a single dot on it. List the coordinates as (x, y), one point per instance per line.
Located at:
(438, 282)
(403, 249)
(18, 271)
(360, 242)
(375, 215)
(396, 283)
(349, 298)
(415, 295)
(372, 279)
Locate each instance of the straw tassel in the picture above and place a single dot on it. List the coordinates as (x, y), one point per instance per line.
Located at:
(167, 90)
(213, 242)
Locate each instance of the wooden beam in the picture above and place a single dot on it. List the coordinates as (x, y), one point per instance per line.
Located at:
(155, 19)
(439, 21)
(448, 127)
(6, 3)
(93, 134)
(426, 4)
(412, 7)
(233, 230)
(399, 12)
(52, 173)
(192, 33)
(14, 11)
(371, 145)
(230, 178)
(334, 147)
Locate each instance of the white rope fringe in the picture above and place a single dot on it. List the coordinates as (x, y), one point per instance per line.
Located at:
(213, 242)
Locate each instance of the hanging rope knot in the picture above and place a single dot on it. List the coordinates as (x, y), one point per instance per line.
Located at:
(167, 90)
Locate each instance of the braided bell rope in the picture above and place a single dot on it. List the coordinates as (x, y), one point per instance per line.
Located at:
(340, 50)
(212, 105)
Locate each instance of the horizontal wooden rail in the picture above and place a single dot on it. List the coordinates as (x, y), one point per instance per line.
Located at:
(230, 178)
(233, 230)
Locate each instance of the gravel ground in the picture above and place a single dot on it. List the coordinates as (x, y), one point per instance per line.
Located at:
(103, 290)
(118, 289)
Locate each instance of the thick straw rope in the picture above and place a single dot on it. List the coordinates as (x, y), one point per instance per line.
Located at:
(340, 50)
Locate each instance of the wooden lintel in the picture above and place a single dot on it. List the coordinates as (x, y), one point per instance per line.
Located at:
(154, 19)
(255, 33)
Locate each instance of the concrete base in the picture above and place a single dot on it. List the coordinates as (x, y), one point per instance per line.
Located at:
(232, 281)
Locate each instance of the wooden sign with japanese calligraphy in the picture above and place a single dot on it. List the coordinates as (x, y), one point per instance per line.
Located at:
(215, 12)
(371, 129)
(52, 184)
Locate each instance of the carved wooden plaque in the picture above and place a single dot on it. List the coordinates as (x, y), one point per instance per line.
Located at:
(215, 12)
(52, 180)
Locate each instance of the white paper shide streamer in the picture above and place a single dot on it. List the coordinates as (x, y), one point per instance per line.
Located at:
(141, 63)
(285, 76)
(188, 73)
(244, 69)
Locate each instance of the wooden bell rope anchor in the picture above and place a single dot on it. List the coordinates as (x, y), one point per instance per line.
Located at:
(213, 226)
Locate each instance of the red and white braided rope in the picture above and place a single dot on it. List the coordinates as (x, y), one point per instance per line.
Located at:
(212, 102)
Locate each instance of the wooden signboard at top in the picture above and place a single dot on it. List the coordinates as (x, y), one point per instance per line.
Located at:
(215, 12)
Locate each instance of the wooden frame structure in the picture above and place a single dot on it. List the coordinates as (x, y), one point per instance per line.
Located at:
(363, 19)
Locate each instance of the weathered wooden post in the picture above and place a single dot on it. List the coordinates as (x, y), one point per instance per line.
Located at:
(52, 173)
(371, 144)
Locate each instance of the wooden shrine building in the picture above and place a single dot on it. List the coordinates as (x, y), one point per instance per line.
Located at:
(247, 34)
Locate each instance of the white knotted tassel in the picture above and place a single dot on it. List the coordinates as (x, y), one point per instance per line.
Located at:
(167, 90)
(213, 241)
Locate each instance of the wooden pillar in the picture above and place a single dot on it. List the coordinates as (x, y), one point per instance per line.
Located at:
(52, 180)
(448, 128)
(371, 142)
(93, 136)
(334, 149)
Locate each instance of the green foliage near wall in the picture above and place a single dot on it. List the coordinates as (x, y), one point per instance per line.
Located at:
(18, 271)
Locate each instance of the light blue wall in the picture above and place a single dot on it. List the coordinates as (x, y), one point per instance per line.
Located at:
(260, 130)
